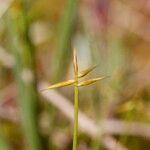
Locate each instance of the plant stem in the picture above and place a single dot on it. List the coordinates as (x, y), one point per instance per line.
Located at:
(76, 105)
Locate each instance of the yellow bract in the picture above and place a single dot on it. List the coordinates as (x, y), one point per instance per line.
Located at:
(90, 81)
(61, 84)
(75, 62)
(85, 72)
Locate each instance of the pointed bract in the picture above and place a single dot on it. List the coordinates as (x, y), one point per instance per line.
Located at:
(60, 84)
(85, 72)
(75, 62)
(90, 81)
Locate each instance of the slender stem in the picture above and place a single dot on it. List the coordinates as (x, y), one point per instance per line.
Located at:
(76, 101)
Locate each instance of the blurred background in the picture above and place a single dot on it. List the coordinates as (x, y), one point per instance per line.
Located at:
(36, 42)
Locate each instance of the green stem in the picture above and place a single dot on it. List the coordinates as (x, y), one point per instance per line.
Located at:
(76, 105)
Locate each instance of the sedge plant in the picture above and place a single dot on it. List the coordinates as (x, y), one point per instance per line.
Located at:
(75, 82)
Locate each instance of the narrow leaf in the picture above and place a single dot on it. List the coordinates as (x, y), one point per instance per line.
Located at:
(60, 84)
(85, 72)
(90, 81)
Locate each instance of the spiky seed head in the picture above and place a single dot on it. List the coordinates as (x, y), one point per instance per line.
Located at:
(80, 75)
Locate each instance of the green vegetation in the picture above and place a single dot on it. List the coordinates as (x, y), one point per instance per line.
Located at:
(36, 42)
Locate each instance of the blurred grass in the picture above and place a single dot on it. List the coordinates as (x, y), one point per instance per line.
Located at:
(4, 145)
(24, 73)
(62, 54)
(120, 54)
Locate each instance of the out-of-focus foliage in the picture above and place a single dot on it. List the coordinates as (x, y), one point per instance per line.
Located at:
(39, 36)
